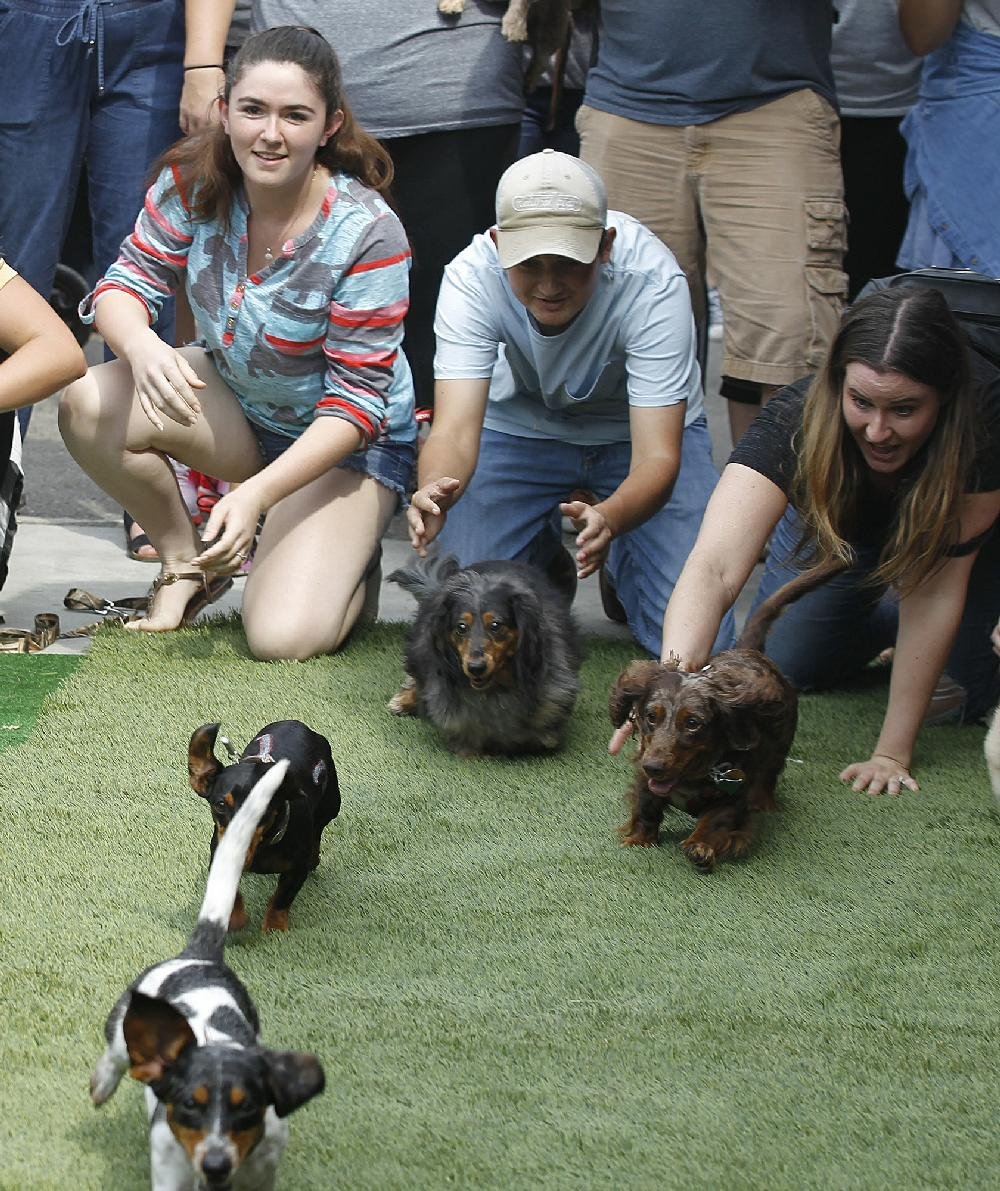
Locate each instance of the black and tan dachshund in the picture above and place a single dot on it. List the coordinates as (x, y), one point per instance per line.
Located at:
(287, 841)
(492, 659)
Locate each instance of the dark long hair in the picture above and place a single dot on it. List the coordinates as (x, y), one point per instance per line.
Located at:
(908, 329)
(208, 172)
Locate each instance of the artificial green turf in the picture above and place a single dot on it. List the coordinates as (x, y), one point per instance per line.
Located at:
(25, 680)
(501, 996)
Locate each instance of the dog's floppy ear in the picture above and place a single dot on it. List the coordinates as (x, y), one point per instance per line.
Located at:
(440, 610)
(155, 1035)
(293, 1077)
(633, 682)
(530, 657)
(203, 768)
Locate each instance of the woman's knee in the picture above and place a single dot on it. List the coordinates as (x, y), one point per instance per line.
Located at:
(288, 640)
(79, 406)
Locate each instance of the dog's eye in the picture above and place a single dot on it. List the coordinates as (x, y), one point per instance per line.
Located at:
(496, 626)
(461, 628)
(693, 723)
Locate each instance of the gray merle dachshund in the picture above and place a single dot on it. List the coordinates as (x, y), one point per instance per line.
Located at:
(493, 657)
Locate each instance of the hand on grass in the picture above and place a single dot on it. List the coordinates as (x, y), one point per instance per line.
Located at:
(880, 775)
(427, 510)
(594, 538)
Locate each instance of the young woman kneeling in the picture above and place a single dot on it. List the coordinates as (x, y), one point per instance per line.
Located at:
(296, 271)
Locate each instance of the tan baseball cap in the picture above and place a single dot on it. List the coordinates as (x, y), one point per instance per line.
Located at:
(550, 203)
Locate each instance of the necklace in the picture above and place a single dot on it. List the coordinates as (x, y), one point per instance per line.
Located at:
(299, 206)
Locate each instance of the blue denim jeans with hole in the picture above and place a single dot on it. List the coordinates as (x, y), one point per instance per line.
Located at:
(832, 633)
(85, 83)
(511, 510)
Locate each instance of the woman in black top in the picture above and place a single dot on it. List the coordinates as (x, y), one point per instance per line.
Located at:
(889, 459)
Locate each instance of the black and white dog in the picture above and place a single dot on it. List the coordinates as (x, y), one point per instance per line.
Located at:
(188, 1029)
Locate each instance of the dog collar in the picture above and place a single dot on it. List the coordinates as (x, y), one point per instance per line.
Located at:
(727, 778)
(279, 832)
(263, 753)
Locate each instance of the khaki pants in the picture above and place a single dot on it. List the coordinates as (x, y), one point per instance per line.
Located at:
(755, 198)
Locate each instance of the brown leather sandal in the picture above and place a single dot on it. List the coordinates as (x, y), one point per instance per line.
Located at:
(212, 589)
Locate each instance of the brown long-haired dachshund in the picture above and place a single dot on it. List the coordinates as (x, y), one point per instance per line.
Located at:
(712, 743)
(493, 657)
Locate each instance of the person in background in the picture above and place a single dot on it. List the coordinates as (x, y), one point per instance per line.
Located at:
(444, 94)
(545, 127)
(876, 76)
(90, 86)
(952, 167)
(296, 271)
(38, 355)
(888, 460)
(716, 126)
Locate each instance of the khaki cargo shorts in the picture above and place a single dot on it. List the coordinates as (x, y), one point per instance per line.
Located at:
(757, 200)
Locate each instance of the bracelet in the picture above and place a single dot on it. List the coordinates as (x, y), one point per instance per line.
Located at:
(890, 757)
(210, 66)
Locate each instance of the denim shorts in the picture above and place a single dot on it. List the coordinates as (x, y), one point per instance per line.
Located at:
(391, 463)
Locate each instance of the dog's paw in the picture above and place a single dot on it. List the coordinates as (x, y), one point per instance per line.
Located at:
(274, 920)
(106, 1077)
(514, 25)
(637, 837)
(701, 855)
(451, 7)
(736, 844)
(238, 918)
(404, 701)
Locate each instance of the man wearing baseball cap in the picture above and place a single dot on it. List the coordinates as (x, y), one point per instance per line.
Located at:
(566, 364)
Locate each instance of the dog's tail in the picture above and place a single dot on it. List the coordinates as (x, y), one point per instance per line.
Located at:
(423, 577)
(209, 935)
(756, 628)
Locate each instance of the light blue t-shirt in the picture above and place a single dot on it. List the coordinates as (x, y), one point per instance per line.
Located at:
(632, 344)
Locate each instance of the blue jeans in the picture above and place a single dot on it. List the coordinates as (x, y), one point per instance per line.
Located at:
(832, 633)
(511, 510)
(390, 463)
(83, 80)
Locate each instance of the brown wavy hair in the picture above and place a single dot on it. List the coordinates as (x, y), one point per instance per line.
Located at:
(208, 172)
(908, 329)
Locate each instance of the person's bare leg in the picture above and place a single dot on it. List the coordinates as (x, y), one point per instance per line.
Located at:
(741, 415)
(114, 442)
(306, 589)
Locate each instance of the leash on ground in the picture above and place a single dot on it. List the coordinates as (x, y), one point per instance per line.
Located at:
(48, 630)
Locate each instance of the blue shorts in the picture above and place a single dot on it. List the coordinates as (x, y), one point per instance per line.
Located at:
(391, 463)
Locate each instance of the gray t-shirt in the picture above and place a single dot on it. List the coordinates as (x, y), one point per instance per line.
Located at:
(408, 68)
(692, 61)
(876, 72)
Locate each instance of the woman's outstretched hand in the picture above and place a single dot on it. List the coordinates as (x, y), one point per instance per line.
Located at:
(427, 510)
(880, 775)
(617, 741)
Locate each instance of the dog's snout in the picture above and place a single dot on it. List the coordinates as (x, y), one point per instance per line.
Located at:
(476, 665)
(653, 768)
(217, 1167)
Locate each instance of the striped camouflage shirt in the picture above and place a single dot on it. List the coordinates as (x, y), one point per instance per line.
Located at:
(316, 332)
